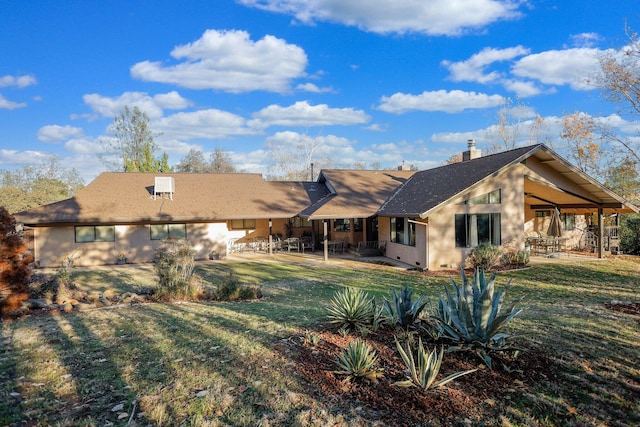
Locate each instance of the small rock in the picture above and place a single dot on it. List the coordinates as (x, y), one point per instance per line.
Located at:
(122, 415)
(117, 408)
(109, 293)
(67, 308)
(202, 393)
(38, 303)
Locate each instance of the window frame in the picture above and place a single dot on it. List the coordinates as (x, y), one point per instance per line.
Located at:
(98, 236)
(402, 230)
(491, 198)
(167, 234)
(491, 221)
(245, 224)
(569, 224)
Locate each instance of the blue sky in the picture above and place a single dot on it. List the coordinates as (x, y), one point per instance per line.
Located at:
(381, 81)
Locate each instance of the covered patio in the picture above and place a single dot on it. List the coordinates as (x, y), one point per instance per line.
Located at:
(572, 213)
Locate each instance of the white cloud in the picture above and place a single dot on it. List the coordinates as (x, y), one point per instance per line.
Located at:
(19, 158)
(303, 114)
(433, 17)
(585, 39)
(153, 106)
(10, 105)
(453, 101)
(310, 87)
(207, 124)
(474, 68)
(229, 61)
(57, 133)
(17, 81)
(377, 127)
(560, 67)
(84, 146)
(524, 89)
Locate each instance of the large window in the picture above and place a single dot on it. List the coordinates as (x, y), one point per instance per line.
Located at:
(493, 198)
(345, 224)
(341, 224)
(243, 224)
(569, 221)
(403, 231)
(95, 233)
(473, 229)
(168, 231)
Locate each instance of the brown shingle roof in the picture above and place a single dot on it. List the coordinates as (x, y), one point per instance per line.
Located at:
(356, 193)
(118, 197)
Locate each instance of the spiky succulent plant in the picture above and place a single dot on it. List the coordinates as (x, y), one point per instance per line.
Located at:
(471, 314)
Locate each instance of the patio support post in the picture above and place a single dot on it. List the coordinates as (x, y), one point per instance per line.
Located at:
(600, 233)
(270, 237)
(325, 239)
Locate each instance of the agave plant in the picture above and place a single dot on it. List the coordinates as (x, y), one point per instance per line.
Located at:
(351, 308)
(423, 374)
(358, 360)
(471, 314)
(404, 311)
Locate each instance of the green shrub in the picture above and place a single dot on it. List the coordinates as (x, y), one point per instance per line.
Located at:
(515, 258)
(423, 374)
(358, 360)
(470, 315)
(483, 256)
(404, 311)
(174, 270)
(351, 308)
(231, 290)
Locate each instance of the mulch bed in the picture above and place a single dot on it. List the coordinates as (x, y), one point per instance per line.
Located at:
(471, 399)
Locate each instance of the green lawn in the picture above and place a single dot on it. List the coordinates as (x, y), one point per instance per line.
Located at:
(216, 364)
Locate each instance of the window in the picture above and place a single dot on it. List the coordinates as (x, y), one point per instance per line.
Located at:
(95, 233)
(493, 198)
(345, 224)
(542, 214)
(341, 225)
(301, 222)
(473, 229)
(403, 231)
(168, 231)
(569, 221)
(243, 224)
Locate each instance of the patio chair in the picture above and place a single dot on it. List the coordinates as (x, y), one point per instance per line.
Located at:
(293, 243)
(306, 243)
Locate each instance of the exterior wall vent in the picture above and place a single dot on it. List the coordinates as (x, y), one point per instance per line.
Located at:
(164, 185)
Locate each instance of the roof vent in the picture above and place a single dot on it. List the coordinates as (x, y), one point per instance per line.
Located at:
(164, 185)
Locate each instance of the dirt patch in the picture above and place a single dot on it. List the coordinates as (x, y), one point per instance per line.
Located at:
(625, 307)
(471, 399)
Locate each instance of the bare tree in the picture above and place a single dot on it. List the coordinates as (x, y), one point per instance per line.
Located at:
(579, 131)
(619, 79)
(292, 161)
(133, 144)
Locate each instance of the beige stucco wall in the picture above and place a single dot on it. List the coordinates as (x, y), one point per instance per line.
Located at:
(435, 243)
(53, 244)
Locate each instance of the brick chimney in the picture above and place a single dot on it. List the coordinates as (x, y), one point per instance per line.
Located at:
(472, 152)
